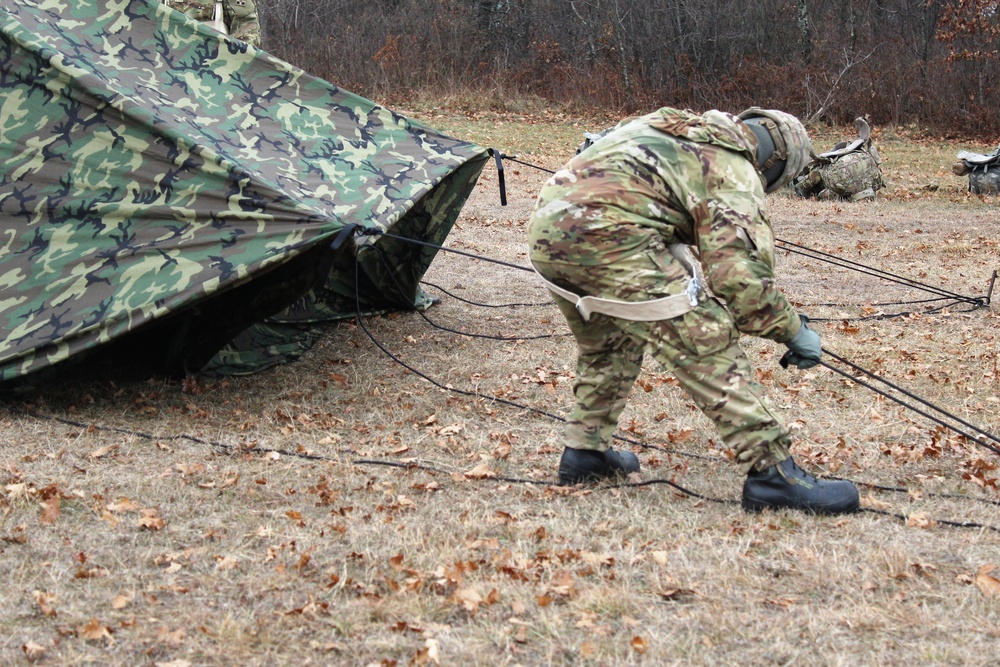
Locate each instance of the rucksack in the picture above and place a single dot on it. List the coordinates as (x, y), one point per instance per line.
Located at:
(850, 171)
(983, 171)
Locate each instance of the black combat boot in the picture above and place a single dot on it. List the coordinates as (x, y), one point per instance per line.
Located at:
(788, 485)
(588, 465)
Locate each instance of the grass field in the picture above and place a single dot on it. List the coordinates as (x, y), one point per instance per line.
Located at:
(280, 519)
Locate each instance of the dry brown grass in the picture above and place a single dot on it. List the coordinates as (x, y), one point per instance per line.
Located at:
(121, 549)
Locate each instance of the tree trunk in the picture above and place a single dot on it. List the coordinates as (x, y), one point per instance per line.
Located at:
(805, 32)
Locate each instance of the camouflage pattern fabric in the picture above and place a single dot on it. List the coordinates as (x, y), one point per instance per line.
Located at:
(238, 16)
(850, 172)
(601, 227)
(274, 341)
(156, 172)
(855, 177)
(983, 170)
(985, 182)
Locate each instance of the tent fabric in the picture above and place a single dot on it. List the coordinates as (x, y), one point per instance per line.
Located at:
(156, 172)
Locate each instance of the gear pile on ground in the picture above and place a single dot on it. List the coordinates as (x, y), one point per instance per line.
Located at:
(983, 171)
(851, 171)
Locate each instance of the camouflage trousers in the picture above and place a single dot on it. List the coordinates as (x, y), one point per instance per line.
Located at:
(700, 348)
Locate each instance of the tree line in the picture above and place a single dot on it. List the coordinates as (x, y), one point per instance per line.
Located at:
(934, 63)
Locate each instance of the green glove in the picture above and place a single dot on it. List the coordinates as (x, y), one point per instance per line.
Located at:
(804, 349)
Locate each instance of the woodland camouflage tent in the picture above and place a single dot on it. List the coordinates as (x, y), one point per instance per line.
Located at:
(166, 187)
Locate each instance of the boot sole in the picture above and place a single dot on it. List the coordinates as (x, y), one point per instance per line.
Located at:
(842, 508)
(592, 479)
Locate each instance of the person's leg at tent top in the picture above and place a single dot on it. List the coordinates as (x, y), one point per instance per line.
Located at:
(242, 20)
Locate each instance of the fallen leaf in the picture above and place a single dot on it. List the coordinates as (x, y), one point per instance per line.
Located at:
(174, 638)
(562, 585)
(453, 429)
(94, 631)
(121, 600)
(124, 505)
(103, 451)
(151, 519)
(919, 520)
(33, 651)
(481, 471)
(433, 651)
(15, 491)
(50, 510)
(988, 584)
(468, 598)
(225, 563)
(188, 469)
(605, 560)
(45, 602)
(91, 573)
(781, 603)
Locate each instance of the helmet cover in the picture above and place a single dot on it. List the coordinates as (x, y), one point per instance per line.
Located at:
(792, 149)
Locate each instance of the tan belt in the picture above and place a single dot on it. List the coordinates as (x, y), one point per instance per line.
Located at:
(665, 308)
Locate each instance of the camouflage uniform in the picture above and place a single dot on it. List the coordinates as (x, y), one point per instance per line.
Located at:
(601, 227)
(239, 16)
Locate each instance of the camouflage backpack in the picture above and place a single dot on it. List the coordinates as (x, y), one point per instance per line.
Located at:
(983, 171)
(851, 171)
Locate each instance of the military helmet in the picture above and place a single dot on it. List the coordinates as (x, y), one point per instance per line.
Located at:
(783, 145)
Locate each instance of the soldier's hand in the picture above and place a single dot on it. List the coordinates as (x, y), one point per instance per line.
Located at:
(804, 349)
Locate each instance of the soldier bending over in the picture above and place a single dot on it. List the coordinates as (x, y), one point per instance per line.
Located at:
(628, 234)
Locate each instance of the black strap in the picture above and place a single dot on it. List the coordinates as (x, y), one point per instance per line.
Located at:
(503, 186)
(346, 231)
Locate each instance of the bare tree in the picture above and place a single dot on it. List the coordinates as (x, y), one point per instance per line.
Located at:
(928, 61)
